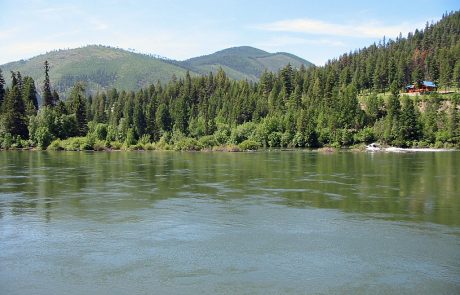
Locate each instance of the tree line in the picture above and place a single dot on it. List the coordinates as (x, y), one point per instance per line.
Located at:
(351, 100)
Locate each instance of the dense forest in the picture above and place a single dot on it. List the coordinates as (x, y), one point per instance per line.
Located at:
(351, 100)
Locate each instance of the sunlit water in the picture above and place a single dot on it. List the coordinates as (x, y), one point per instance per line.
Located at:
(229, 223)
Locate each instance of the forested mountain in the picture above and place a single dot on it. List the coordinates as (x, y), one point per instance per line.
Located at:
(429, 54)
(244, 62)
(354, 99)
(99, 67)
(102, 68)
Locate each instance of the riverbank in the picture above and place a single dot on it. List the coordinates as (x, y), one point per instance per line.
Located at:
(77, 145)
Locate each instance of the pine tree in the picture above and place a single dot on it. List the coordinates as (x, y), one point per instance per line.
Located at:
(393, 108)
(56, 98)
(14, 116)
(163, 118)
(139, 122)
(14, 79)
(150, 118)
(47, 96)
(99, 111)
(20, 82)
(77, 106)
(445, 73)
(2, 90)
(456, 74)
(286, 79)
(453, 124)
(29, 95)
(409, 128)
(181, 115)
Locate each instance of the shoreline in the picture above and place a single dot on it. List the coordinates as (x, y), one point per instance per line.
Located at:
(219, 149)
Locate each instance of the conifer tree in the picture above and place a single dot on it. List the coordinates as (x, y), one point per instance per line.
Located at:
(20, 82)
(56, 98)
(29, 95)
(14, 79)
(14, 117)
(139, 122)
(78, 107)
(2, 90)
(408, 121)
(47, 96)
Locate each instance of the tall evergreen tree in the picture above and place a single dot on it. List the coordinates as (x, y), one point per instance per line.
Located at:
(77, 106)
(408, 121)
(14, 79)
(20, 82)
(163, 118)
(47, 96)
(14, 116)
(29, 94)
(139, 122)
(2, 90)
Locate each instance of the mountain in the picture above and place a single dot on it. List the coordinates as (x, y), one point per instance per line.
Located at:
(244, 62)
(103, 67)
(100, 67)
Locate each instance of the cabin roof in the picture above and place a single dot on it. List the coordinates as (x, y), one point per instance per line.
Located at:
(429, 83)
(424, 83)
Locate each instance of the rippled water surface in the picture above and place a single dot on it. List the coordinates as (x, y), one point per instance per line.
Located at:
(229, 223)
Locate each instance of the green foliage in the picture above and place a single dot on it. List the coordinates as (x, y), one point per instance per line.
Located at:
(43, 137)
(14, 116)
(59, 125)
(365, 135)
(6, 140)
(163, 143)
(99, 145)
(70, 144)
(48, 99)
(77, 105)
(187, 144)
(101, 131)
(409, 124)
(55, 145)
(2, 90)
(115, 145)
(222, 133)
(208, 141)
(249, 145)
(243, 132)
(145, 139)
(130, 138)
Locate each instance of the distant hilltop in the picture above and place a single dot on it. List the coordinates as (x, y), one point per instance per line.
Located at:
(104, 67)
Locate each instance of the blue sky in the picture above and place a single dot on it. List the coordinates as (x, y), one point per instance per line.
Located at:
(315, 30)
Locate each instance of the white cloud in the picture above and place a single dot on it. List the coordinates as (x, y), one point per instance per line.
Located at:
(287, 40)
(371, 29)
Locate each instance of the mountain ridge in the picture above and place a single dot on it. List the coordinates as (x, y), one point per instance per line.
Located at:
(104, 67)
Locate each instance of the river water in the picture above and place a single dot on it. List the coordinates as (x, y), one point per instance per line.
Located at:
(290, 222)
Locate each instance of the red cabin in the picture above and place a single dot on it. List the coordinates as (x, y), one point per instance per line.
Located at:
(421, 86)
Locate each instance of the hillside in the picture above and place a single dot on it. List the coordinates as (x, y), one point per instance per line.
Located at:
(103, 68)
(100, 67)
(244, 62)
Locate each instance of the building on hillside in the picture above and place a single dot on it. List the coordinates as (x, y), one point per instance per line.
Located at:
(421, 86)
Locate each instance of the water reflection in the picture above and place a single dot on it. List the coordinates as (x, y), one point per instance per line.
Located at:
(415, 186)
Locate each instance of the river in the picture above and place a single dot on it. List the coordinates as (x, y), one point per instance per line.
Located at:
(279, 222)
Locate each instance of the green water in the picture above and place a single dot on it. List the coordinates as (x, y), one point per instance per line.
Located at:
(229, 223)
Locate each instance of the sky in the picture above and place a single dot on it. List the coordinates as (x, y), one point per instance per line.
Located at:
(314, 30)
